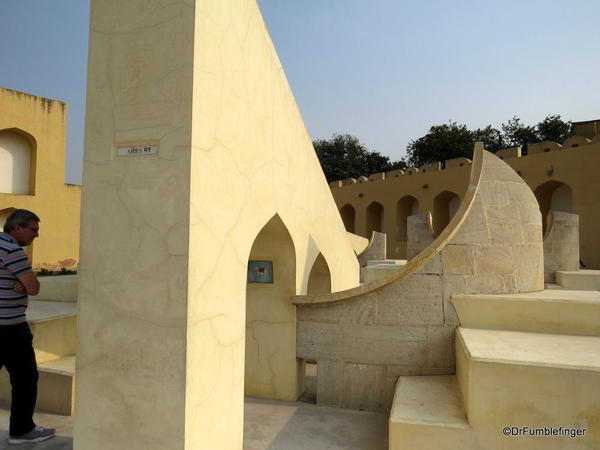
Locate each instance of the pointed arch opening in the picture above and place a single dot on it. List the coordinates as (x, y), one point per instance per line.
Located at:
(348, 217)
(553, 195)
(374, 218)
(445, 205)
(319, 280)
(271, 368)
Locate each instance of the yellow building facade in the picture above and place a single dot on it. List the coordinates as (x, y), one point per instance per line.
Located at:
(32, 172)
(564, 177)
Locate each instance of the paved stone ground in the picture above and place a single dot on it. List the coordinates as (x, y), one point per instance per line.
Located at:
(268, 425)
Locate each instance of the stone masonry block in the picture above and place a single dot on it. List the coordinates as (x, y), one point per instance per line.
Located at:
(363, 386)
(330, 373)
(372, 344)
(361, 311)
(440, 347)
(318, 340)
(495, 259)
(474, 229)
(459, 259)
(329, 313)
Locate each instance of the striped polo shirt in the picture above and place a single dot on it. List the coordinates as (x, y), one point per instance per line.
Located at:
(13, 261)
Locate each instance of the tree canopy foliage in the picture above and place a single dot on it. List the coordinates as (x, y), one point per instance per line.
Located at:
(344, 156)
(452, 140)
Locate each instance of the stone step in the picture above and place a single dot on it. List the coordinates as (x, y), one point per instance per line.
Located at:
(372, 273)
(515, 378)
(54, 328)
(550, 311)
(376, 262)
(428, 413)
(61, 288)
(582, 280)
(56, 386)
(552, 286)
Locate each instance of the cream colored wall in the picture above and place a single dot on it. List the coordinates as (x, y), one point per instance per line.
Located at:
(41, 123)
(200, 80)
(271, 367)
(575, 166)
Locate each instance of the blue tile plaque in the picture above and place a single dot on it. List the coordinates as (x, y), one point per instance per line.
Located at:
(260, 271)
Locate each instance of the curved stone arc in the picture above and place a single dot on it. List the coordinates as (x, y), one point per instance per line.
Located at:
(494, 241)
(422, 258)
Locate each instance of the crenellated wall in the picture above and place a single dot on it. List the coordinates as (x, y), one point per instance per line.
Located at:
(548, 166)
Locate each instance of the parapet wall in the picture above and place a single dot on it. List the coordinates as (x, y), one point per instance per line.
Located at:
(509, 152)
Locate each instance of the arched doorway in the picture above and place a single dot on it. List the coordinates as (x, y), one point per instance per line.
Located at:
(445, 206)
(374, 219)
(15, 163)
(406, 206)
(553, 195)
(271, 368)
(348, 217)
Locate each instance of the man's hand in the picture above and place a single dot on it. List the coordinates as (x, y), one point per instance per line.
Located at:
(19, 288)
(30, 282)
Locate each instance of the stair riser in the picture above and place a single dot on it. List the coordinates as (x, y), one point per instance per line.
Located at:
(578, 282)
(423, 437)
(54, 338)
(531, 395)
(559, 317)
(55, 392)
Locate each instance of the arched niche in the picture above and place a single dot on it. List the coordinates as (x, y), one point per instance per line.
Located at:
(374, 218)
(445, 205)
(407, 206)
(17, 157)
(553, 195)
(348, 217)
(271, 368)
(319, 280)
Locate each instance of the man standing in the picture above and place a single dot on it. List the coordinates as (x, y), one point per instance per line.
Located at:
(17, 280)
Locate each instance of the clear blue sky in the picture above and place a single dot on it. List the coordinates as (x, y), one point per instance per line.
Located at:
(383, 70)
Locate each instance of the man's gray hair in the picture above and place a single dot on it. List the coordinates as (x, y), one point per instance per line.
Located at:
(20, 217)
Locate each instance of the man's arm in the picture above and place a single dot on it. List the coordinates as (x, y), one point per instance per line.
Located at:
(30, 282)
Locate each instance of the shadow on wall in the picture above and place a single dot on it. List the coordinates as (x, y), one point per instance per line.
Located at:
(374, 218)
(348, 217)
(407, 206)
(445, 206)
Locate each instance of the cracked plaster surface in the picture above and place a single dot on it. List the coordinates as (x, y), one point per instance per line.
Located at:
(166, 237)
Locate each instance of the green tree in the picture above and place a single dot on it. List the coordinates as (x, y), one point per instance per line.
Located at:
(344, 156)
(491, 137)
(553, 128)
(516, 133)
(442, 142)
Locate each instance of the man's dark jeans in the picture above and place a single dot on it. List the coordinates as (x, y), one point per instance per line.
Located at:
(17, 355)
